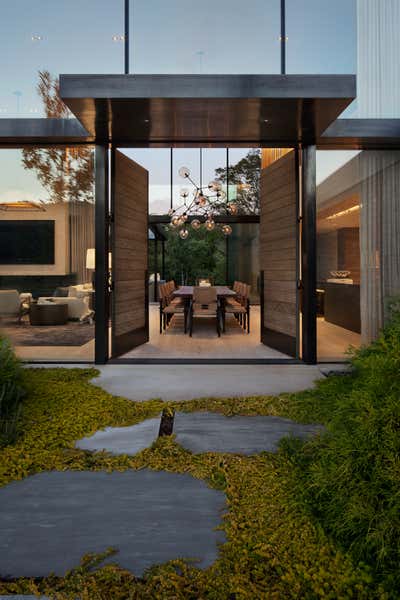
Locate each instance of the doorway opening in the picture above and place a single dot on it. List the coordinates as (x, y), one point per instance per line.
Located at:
(248, 256)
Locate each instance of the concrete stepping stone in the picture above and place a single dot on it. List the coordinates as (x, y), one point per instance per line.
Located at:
(212, 432)
(50, 520)
(123, 440)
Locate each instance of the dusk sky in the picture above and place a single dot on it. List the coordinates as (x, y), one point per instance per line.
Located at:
(178, 36)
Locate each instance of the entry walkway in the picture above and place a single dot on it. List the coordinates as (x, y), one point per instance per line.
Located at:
(186, 382)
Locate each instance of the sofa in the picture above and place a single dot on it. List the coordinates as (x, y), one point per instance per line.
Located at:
(78, 299)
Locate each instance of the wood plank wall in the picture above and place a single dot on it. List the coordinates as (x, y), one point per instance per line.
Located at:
(278, 245)
(130, 260)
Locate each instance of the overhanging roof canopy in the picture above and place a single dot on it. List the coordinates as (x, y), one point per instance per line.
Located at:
(152, 109)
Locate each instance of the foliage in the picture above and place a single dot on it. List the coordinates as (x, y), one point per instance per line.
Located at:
(67, 173)
(11, 392)
(245, 174)
(202, 254)
(350, 477)
(273, 548)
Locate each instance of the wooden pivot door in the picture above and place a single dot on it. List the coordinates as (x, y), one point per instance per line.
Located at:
(278, 254)
(130, 321)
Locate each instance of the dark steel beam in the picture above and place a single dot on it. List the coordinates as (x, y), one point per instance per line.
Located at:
(207, 108)
(165, 219)
(42, 131)
(102, 249)
(361, 134)
(308, 255)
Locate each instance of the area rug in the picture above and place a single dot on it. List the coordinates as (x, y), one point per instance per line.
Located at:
(71, 334)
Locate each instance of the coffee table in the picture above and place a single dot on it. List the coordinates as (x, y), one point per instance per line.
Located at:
(48, 314)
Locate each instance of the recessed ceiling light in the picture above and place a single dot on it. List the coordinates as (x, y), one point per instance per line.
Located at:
(37, 38)
(118, 38)
(147, 120)
(265, 120)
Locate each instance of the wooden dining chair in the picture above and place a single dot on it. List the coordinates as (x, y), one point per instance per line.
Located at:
(240, 307)
(205, 305)
(169, 308)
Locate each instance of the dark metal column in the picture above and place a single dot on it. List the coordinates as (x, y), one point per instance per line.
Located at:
(155, 298)
(283, 38)
(126, 37)
(102, 249)
(163, 260)
(308, 254)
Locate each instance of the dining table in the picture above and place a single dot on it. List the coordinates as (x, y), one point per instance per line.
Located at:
(186, 293)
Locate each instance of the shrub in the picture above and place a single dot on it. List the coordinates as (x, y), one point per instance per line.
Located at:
(350, 477)
(11, 392)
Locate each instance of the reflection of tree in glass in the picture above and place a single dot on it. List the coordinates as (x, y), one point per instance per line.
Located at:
(67, 173)
(245, 175)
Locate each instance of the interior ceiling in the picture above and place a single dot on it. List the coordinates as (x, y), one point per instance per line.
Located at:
(338, 215)
(153, 109)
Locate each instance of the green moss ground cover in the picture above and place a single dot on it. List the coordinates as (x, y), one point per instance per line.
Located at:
(11, 392)
(276, 546)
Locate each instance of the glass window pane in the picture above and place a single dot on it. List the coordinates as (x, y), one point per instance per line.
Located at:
(243, 257)
(184, 157)
(358, 220)
(244, 179)
(47, 242)
(321, 36)
(157, 161)
(228, 36)
(60, 37)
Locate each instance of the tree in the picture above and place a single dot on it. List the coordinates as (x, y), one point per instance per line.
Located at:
(202, 254)
(246, 176)
(67, 173)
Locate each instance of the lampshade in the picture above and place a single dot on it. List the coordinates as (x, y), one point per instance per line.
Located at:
(91, 259)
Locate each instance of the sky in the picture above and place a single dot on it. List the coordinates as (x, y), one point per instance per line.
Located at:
(174, 36)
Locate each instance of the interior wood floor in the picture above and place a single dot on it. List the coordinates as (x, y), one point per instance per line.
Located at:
(234, 343)
(333, 341)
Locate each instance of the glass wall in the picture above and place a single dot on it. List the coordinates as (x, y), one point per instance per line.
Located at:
(228, 36)
(47, 255)
(321, 36)
(243, 262)
(238, 169)
(67, 36)
(358, 258)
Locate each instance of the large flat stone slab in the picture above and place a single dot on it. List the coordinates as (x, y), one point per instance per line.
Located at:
(123, 440)
(50, 520)
(211, 432)
(186, 382)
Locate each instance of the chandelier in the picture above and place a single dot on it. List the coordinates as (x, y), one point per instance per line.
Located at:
(204, 204)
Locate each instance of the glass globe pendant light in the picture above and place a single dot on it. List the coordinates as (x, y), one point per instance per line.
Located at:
(184, 172)
(209, 224)
(184, 233)
(196, 224)
(226, 229)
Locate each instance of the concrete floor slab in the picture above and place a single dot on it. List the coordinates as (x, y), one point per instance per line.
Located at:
(50, 520)
(211, 432)
(186, 382)
(123, 440)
